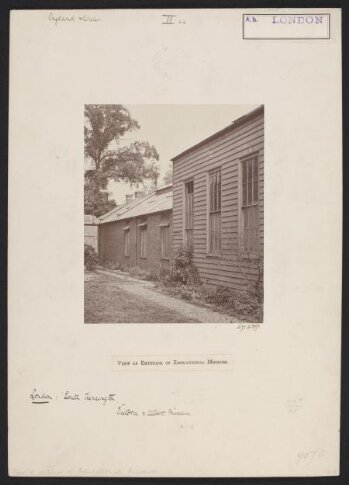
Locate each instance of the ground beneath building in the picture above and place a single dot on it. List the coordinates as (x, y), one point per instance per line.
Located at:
(115, 298)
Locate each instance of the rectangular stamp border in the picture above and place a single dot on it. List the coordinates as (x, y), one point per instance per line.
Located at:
(285, 38)
(181, 368)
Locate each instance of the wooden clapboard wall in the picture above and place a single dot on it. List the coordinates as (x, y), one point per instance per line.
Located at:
(225, 151)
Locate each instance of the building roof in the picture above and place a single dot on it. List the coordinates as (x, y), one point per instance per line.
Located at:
(235, 124)
(118, 211)
(112, 211)
(158, 201)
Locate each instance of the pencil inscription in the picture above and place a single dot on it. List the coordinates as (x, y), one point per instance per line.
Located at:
(104, 399)
(170, 19)
(294, 405)
(67, 19)
(308, 456)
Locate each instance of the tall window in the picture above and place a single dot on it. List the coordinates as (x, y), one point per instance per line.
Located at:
(214, 229)
(249, 205)
(188, 213)
(143, 240)
(126, 241)
(165, 238)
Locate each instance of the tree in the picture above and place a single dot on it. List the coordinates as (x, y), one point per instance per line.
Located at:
(97, 201)
(108, 160)
(168, 177)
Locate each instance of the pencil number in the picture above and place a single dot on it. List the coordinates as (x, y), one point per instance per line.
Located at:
(307, 457)
(168, 19)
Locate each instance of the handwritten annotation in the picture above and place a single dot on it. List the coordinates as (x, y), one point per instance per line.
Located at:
(121, 408)
(68, 19)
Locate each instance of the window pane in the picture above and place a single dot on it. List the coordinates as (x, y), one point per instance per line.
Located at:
(188, 212)
(143, 243)
(244, 183)
(189, 187)
(189, 237)
(211, 193)
(255, 180)
(215, 232)
(249, 181)
(250, 228)
(127, 243)
(165, 231)
(215, 191)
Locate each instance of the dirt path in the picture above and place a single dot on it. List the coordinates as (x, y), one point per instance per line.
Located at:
(144, 292)
(106, 301)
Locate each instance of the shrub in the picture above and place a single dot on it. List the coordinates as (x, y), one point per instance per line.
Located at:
(90, 257)
(222, 296)
(243, 302)
(183, 268)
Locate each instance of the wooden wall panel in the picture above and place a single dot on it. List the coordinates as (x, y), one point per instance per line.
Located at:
(224, 152)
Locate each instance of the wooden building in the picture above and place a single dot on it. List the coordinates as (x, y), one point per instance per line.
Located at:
(139, 233)
(218, 203)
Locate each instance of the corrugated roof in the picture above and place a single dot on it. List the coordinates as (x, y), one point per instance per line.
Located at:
(112, 211)
(157, 202)
(116, 213)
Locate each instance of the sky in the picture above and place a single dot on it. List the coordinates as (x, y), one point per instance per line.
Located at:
(174, 128)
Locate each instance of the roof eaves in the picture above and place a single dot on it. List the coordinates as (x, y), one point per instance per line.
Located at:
(112, 211)
(149, 210)
(235, 124)
(128, 208)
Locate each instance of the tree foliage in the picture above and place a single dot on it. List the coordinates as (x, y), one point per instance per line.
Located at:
(168, 177)
(109, 160)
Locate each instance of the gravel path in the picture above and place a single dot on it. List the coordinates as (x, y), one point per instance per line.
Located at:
(145, 289)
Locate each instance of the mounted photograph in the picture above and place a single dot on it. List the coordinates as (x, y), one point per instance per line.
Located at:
(173, 213)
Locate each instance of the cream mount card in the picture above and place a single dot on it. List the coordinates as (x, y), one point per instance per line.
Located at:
(175, 242)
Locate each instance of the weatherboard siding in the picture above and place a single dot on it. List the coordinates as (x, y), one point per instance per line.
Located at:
(224, 152)
(112, 243)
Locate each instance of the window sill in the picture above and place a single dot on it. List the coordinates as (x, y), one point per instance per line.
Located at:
(165, 259)
(214, 255)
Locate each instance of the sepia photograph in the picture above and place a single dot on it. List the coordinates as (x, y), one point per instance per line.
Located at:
(173, 213)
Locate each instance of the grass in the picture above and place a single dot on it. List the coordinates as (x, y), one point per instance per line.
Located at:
(106, 302)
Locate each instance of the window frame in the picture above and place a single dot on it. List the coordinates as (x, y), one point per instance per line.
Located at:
(186, 229)
(126, 241)
(163, 228)
(213, 199)
(245, 205)
(143, 234)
